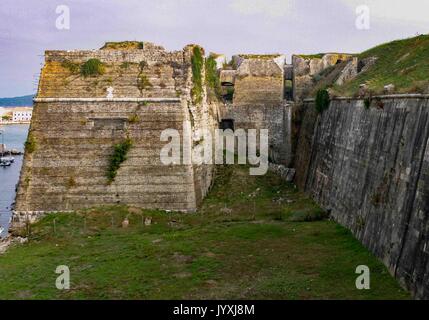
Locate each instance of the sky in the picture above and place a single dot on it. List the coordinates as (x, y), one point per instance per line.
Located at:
(29, 27)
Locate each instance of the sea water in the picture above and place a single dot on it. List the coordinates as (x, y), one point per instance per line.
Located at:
(14, 136)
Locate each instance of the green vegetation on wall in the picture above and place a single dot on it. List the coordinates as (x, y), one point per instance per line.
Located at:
(212, 76)
(93, 67)
(118, 157)
(197, 77)
(134, 118)
(229, 96)
(367, 102)
(30, 144)
(259, 56)
(73, 67)
(322, 100)
(123, 45)
(143, 81)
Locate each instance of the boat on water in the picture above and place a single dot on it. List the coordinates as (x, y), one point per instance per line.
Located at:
(9, 158)
(1, 230)
(5, 163)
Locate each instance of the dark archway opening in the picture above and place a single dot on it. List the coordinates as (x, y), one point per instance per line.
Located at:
(227, 124)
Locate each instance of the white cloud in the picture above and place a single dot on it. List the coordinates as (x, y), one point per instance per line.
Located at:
(272, 8)
(409, 11)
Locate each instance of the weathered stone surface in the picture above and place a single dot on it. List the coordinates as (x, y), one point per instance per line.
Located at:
(349, 72)
(287, 174)
(390, 88)
(75, 137)
(308, 69)
(371, 169)
(276, 118)
(227, 77)
(259, 81)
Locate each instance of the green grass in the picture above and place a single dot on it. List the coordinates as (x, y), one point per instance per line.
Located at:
(403, 63)
(241, 244)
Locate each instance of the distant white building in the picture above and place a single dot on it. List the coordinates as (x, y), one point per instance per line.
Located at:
(2, 113)
(23, 114)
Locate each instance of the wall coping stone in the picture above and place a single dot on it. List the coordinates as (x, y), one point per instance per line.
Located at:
(388, 96)
(106, 99)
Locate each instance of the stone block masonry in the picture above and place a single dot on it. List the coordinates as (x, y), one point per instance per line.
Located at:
(275, 118)
(370, 169)
(76, 125)
(258, 101)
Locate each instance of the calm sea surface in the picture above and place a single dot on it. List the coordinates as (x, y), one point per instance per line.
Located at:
(14, 137)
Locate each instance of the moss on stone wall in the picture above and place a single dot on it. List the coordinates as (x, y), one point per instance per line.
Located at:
(30, 144)
(73, 67)
(143, 82)
(123, 45)
(259, 56)
(197, 77)
(212, 77)
(93, 67)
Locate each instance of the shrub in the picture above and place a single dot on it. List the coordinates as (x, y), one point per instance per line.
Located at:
(142, 64)
(71, 66)
(93, 67)
(30, 144)
(126, 64)
(367, 103)
(212, 76)
(134, 118)
(143, 82)
(229, 96)
(119, 156)
(197, 68)
(322, 100)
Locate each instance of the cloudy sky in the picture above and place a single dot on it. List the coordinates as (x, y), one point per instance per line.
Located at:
(28, 27)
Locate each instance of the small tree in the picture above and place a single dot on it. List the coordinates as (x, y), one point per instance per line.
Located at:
(322, 100)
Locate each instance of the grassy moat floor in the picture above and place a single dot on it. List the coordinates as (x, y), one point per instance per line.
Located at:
(248, 241)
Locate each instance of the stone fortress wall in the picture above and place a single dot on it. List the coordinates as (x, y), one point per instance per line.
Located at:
(367, 167)
(370, 169)
(75, 127)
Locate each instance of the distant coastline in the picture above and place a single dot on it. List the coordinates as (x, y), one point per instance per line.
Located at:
(23, 101)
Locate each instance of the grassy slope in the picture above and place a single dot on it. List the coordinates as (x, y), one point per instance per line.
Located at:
(249, 250)
(404, 63)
